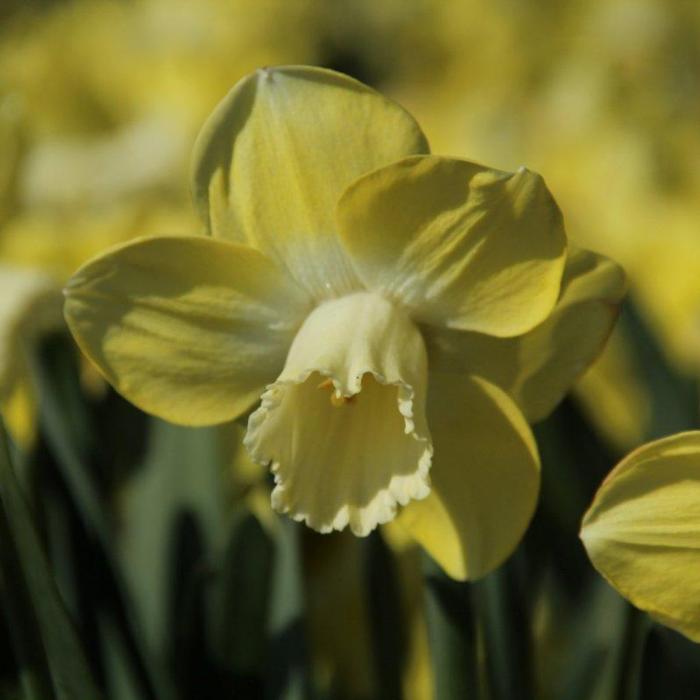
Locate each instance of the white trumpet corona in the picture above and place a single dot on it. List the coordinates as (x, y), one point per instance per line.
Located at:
(344, 426)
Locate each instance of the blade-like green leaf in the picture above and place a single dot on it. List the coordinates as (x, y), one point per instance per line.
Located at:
(671, 667)
(188, 649)
(288, 661)
(505, 620)
(387, 627)
(452, 635)
(66, 423)
(43, 633)
(68, 430)
(244, 599)
(182, 474)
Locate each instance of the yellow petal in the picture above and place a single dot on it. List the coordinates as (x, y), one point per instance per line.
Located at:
(460, 245)
(187, 328)
(485, 477)
(344, 425)
(273, 158)
(642, 531)
(538, 368)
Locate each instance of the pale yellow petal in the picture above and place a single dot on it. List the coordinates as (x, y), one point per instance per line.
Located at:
(485, 477)
(458, 244)
(538, 368)
(344, 425)
(273, 158)
(642, 531)
(187, 328)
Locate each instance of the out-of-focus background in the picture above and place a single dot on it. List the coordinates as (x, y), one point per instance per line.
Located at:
(100, 103)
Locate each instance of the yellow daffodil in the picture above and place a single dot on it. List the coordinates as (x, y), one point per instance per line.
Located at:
(380, 303)
(642, 531)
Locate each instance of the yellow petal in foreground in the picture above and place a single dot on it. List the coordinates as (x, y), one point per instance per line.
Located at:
(538, 368)
(642, 531)
(188, 328)
(485, 477)
(278, 151)
(458, 244)
(344, 425)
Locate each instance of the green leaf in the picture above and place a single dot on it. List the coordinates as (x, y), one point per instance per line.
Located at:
(244, 598)
(451, 634)
(288, 657)
(387, 626)
(68, 430)
(182, 475)
(671, 667)
(505, 620)
(188, 648)
(632, 644)
(66, 422)
(46, 642)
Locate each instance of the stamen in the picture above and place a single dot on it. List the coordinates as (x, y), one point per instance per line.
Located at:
(337, 400)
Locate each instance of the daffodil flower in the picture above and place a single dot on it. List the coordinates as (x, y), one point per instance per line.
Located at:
(642, 531)
(347, 284)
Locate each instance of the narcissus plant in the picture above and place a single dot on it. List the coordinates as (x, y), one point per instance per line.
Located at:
(394, 318)
(642, 531)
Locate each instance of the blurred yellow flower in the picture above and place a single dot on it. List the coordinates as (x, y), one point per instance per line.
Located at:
(614, 396)
(30, 305)
(375, 285)
(100, 104)
(12, 146)
(642, 531)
